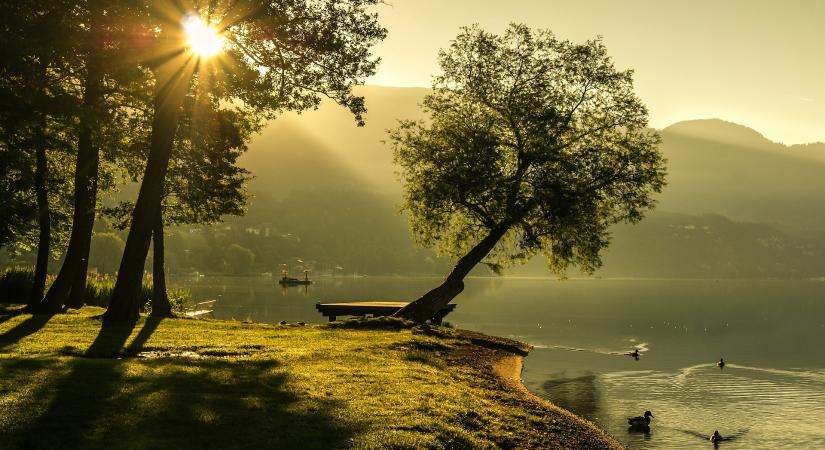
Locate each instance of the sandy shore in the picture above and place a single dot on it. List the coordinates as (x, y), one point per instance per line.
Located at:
(504, 359)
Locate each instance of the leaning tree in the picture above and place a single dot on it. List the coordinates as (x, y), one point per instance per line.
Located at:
(533, 144)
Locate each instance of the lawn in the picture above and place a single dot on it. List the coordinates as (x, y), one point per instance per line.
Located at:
(67, 381)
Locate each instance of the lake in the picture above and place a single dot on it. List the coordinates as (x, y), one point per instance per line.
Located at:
(771, 393)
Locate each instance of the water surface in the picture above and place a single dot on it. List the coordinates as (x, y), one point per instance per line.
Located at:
(771, 394)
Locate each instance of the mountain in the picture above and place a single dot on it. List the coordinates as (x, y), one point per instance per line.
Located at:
(325, 194)
(728, 169)
(324, 149)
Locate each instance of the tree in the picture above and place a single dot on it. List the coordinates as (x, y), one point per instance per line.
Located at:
(239, 259)
(279, 55)
(533, 145)
(35, 105)
(105, 252)
(108, 79)
(204, 181)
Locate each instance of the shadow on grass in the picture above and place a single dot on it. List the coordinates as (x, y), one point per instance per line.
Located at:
(23, 329)
(110, 340)
(97, 402)
(7, 311)
(5, 316)
(149, 327)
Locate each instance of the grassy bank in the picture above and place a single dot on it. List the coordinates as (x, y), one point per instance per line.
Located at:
(68, 382)
(16, 284)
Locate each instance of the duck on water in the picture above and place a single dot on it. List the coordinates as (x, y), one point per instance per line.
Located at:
(640, 423)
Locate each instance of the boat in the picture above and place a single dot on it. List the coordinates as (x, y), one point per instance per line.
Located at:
(292, 281)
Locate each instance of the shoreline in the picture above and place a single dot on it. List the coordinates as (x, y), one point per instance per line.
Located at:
(505, 361)
(374, 383)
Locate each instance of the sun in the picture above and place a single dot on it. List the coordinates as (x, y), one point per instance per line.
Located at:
(202, 39)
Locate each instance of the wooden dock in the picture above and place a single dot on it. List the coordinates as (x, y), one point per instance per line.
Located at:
(372, 308)
(200, 309)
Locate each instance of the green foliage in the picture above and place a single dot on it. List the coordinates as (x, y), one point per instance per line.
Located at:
(532, 135)
(322, 50)
(35, 112)
(105, 252)
(204, 181)
(15, 284)
(239, 259)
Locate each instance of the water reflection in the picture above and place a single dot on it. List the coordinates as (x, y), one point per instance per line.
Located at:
(575, 392)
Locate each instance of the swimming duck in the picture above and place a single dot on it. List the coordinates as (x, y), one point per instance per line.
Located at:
(640, 422)
(635, 354)
(716, 438)
(721, 363)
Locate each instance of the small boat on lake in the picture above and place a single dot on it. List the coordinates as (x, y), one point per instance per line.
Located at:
(291, 281)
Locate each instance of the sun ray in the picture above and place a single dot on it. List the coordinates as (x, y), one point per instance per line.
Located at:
(202, 38)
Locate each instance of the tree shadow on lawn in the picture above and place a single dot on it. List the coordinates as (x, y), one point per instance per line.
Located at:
(172, 403)
(23, 329)
(7, 311)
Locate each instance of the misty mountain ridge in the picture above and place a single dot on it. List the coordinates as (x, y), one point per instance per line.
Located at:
(328, 192)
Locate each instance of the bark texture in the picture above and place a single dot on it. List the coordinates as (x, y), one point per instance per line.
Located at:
(430, 303)
(160, 299)
(41, 268)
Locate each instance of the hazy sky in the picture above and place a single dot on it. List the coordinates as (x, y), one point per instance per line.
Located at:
(756, 62)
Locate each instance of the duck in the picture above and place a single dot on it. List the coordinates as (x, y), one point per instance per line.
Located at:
(640, 422)
(635, 354)
(721, 363)
(283, 322)
(716, 437)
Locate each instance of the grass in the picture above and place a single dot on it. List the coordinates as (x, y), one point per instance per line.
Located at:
(66, 381)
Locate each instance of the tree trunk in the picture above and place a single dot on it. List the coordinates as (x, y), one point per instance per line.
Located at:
(85, 193)
(160, 298)
(41, 269)
(169, 95)
(77, 292)
(432, 302)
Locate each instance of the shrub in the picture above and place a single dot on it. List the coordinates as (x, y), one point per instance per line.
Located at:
(16, 282)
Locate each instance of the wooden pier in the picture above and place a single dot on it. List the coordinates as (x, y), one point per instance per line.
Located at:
(372, 308)
(200, 309)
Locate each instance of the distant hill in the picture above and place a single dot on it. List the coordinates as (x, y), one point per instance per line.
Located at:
(325, 195)
(728, 169)
(324, 148)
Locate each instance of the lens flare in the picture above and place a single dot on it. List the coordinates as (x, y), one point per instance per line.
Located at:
(203, 39)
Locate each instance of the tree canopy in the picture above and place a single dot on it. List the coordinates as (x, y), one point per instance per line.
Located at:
(278, 55)
(534, 144)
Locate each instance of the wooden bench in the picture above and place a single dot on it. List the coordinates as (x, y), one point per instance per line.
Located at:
(373, 308)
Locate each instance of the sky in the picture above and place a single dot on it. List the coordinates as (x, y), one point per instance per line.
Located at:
(760, 63)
